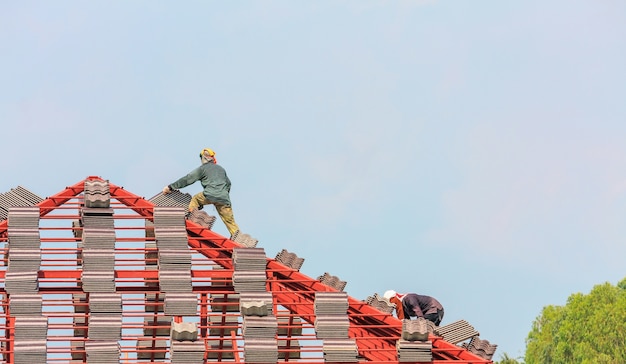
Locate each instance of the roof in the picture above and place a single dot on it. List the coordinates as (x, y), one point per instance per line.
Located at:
(96, 272)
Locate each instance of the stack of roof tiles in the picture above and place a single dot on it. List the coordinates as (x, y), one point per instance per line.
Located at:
(185, 347)
(249, 273)
(17, 197)
(332, 324)
(482, 348)
(105, 319)
(98, 275)
(414, 351)
(413, 344)
(259, 325)
(174, 261)
(24, 253)
(173, 199)
(22, 285)
(98, 239)
(244, 239)
(332, 281)
(380, 303)
(30, 334)
(456, 331)
(97, 194)
(290, 259)
(202, 218)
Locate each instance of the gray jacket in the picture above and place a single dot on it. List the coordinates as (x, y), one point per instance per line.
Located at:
(214, 180)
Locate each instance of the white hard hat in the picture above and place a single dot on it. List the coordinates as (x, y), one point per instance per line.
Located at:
(390, 293)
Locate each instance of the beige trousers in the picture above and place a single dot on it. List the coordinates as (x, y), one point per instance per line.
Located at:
(225, 212)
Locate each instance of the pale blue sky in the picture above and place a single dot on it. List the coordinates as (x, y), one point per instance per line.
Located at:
(472, 151)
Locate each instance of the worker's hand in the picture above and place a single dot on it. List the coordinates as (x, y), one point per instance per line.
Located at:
(167, 190)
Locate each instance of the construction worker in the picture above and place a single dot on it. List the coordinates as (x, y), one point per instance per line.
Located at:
(216, 188)
(414, 305)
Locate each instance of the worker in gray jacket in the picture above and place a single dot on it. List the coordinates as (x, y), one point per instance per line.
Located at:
(216, 188)
(414, 305)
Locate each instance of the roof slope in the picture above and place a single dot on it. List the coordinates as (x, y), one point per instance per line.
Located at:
(98, 274)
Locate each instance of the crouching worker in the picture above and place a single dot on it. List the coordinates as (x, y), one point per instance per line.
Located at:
(414, 305)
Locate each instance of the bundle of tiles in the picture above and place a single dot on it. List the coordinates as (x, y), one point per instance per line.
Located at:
(244, 239)
(173, 199)
(482, 348)
(456, 331)
(187, 352)
(417, 330)
(24, 253)
(105, 319)
(97, 194)
(181, 304)
(380, 303)
(289, 259)
(414, 351)
(340, 351)
(98, 250)
(185, 346)
(259, 327)
(249, 270)
(261, 350)
(255, 303)
(25, 304)
(102, 352)
(17, 197)
(201, 218)
(174, 261)
(30, 336)
(332, 281)
(331, 315)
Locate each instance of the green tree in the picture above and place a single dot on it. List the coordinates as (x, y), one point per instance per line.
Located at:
(506, 359)
(589, 329)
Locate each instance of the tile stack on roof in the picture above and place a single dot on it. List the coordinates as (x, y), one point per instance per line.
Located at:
(414, 351)
(187, 352)
(259, 325)
(97, 194)
(332, 281)
(102, 352)
(98, 250)
(417, 330)
(456, 332)
(174, 261)
(482, 348)
(244, 239)
(17, 197)
(290, 259)
(174, 199)
(255, 303)
(202, 218)
(413, 344)
(105, 318)
(380, 303)
(184, 331)
(332, 324)
(97, 238)
(340, 350)
(249, 273)
(24, 253)
(30, 336)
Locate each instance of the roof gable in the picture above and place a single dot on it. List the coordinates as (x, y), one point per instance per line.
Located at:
(96, 271)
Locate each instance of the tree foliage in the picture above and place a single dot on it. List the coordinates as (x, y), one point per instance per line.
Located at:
(589, 329)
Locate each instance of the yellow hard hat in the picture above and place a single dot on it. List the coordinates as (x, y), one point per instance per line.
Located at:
(207, 152)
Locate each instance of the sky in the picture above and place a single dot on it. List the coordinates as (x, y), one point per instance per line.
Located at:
(471, 151)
